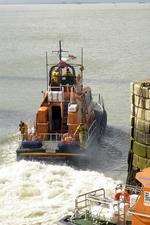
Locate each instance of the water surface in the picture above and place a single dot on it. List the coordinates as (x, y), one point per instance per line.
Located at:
(116, 46)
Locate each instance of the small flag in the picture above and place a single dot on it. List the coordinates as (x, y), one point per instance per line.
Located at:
(62, 64)
(72, 57)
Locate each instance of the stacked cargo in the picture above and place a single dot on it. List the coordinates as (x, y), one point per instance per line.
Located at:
(139, 154)
(42, 124)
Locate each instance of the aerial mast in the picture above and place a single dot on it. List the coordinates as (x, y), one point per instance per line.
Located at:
(60, 51)
(82, 68)
(47, 70)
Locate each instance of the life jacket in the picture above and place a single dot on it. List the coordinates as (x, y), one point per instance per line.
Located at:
(82, 129)
(23, 128)
(55, 74)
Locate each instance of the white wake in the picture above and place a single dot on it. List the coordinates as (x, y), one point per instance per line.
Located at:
(35, 193)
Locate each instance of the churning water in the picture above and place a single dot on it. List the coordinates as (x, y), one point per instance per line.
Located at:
(116, 46)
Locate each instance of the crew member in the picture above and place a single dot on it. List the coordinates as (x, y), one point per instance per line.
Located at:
(68, 73)
(55, 77)
(67, 138)
(82, 131)
(23, 127)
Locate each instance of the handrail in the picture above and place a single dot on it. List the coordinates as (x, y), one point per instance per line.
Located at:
(52, 136)
(60, 87)
(91, 192)
(91, 131)
(139, 214)
(58, 96)
(133, 188)
(92, 127)
(88, 197)
(49, 137)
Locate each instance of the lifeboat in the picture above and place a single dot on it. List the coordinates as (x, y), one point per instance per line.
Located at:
(130, 205)
(68, 120)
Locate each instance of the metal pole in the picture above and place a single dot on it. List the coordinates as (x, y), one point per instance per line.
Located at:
(99, 99)
(60, 50)
(82, 56)
(82, 62)
(47, 70)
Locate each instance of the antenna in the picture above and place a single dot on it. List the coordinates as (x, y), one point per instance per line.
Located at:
(82, 62)
(47, 70)
(82, 56)
(60, 50)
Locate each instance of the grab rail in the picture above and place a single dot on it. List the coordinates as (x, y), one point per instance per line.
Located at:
(139, 214)
(51, 137)
(91, 131)
(92, 127)
(83, 200)
(66, 87)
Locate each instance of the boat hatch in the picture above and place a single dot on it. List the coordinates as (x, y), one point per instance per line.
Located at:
(56, 118)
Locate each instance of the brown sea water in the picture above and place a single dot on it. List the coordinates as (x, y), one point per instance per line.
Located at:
(116, 42)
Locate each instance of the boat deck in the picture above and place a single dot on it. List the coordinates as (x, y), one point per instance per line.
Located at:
(84, 221)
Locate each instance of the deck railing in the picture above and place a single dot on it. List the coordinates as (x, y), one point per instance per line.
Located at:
(49, 137)
(84, 204)
(91, 132)
(83, 201)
